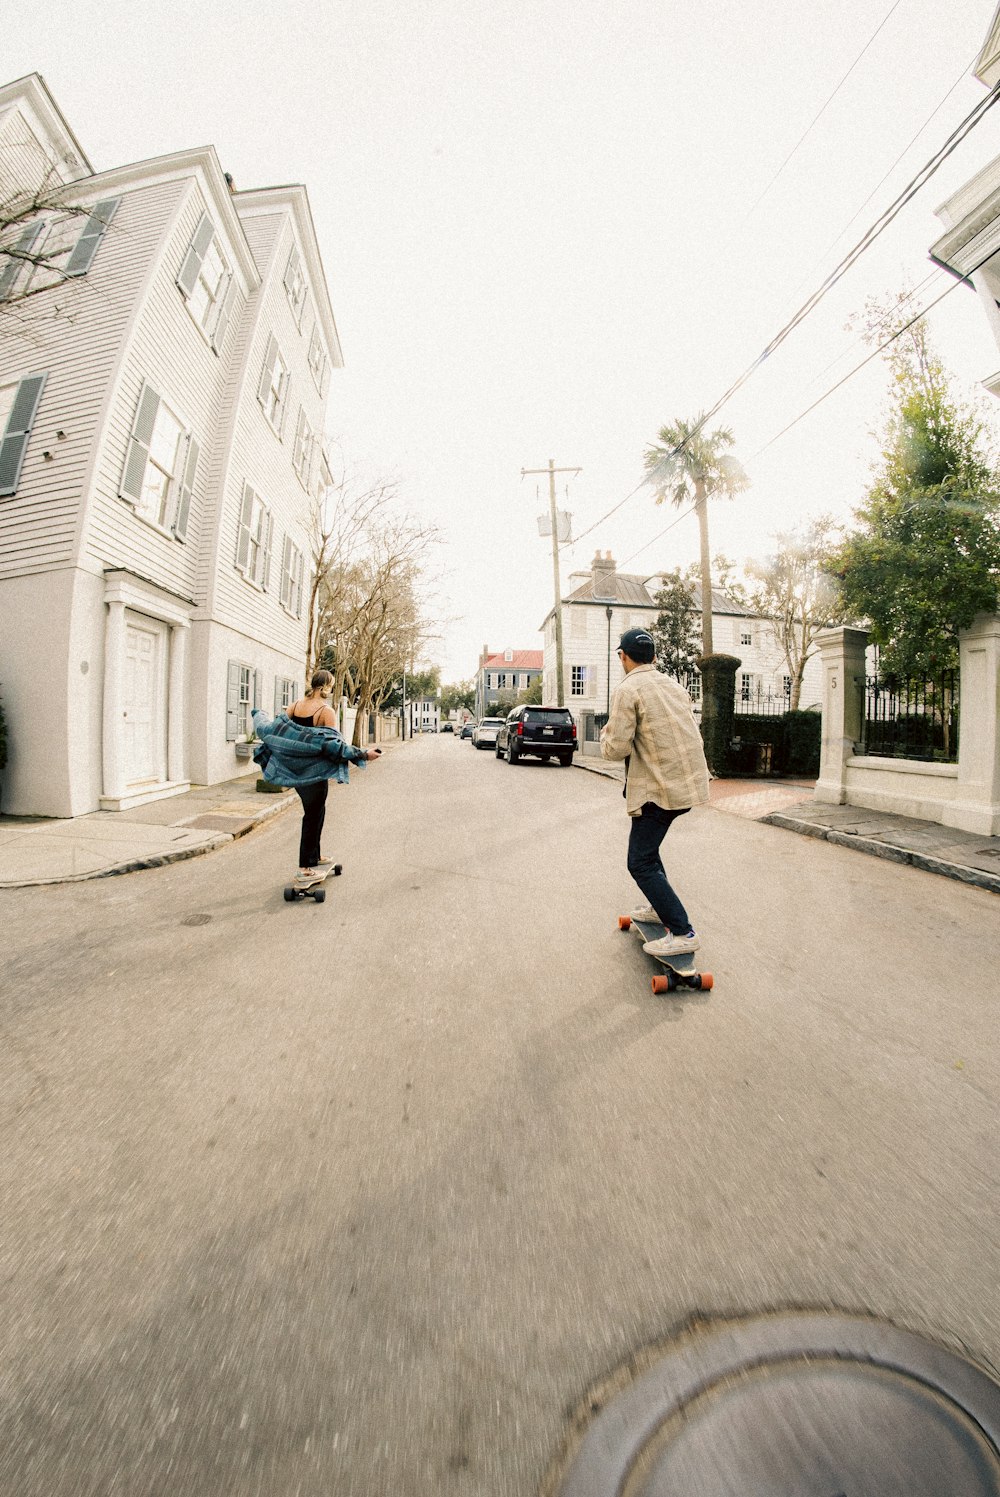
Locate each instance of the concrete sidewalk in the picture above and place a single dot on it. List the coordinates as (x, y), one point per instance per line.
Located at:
(965, 856)
(46, 851)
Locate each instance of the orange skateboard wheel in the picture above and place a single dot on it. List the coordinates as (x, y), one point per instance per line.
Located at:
(707, 980)
(660, 984)
(624, 922)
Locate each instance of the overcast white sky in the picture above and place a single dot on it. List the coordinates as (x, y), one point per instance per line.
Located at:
(541, 230)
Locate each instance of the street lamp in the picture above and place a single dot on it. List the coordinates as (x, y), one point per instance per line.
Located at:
(608, 612)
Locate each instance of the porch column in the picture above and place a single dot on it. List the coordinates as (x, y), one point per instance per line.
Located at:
(976, 807)
(176, 723)
(114, 701)
(842, 663)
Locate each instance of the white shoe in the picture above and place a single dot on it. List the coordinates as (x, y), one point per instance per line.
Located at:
(670, 945)
(646, 916)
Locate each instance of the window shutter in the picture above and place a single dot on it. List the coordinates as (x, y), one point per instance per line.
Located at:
(94, 230)
(195, 255)
(243, 539)
(19, 424)
(258, 684)
(277, 695)
(298, 451)
(268, 531)
(225, 314)
(12, 270)
(187, 486)
(286, 568)
(291, 268)
(300, 573)
(268, 371)
(284, 406)
(232, 700)
(138, 449)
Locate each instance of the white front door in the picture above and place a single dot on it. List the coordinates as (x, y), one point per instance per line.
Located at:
(144, 717)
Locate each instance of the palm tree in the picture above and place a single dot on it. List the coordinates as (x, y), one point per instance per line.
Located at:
(689, 465)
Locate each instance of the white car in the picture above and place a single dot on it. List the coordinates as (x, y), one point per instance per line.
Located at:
(484, 734)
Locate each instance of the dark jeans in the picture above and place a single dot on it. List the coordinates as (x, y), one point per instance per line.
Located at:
(645, 865)
(313, 798)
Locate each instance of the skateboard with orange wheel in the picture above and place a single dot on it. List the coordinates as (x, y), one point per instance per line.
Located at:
(681, 971)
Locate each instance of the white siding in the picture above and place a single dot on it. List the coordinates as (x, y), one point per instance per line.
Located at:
(78, 350)
(168, 349)
(259, 457)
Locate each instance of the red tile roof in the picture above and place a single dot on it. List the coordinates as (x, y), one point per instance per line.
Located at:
(521, 660)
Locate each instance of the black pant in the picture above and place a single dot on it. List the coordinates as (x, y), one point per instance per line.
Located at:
(644, 863)
(313, 798)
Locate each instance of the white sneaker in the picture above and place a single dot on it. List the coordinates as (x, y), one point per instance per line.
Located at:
(646, 916)
(670, 945)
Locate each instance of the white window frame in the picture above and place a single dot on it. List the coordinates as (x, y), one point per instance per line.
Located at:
(318, 362)
(70, 259)
(293, 571)
(273, 389)
(173, 507)
(578, 677)
(286, 693)
(257, 521)
(746, 636)
(303, 448)
(296, 285)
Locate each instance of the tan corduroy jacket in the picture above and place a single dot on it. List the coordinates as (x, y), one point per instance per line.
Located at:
(652, 725)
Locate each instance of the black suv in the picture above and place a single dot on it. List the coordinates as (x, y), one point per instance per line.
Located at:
(546, 732)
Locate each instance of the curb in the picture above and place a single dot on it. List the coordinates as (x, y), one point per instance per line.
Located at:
(961, 872)
(161, 860)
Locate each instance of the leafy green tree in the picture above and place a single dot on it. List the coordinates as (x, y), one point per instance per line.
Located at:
(690, 466)
(795, 591)
(675, 628)
(531, 696)
(458, 698)
(925, 558)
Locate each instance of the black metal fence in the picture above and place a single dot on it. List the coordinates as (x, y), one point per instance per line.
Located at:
(758, 701)
(912, 719)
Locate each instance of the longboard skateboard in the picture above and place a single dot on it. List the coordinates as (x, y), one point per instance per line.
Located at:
(681, 971)
(313, 889)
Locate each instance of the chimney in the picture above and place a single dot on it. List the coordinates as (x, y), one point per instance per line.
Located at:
(602, 575)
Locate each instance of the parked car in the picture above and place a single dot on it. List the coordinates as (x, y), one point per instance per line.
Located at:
(468, 728)
(447, 728)
(486, 730)
(545, 732)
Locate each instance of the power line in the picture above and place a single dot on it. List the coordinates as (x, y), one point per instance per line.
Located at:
(809, 128)
(682, 516)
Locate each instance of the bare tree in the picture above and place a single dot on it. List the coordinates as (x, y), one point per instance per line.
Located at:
(795, 591)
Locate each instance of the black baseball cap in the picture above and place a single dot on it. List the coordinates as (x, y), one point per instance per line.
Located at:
(638, 645)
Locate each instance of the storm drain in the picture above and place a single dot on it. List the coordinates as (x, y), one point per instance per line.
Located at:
(800, 1405)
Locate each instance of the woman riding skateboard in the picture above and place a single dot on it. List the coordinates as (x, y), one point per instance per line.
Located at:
(651, 726)
(302, 748)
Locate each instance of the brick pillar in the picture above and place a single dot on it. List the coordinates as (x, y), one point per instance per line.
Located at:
(718, 700)
(976, 807)
(842, 660)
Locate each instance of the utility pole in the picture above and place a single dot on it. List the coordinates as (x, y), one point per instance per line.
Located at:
(552, 470)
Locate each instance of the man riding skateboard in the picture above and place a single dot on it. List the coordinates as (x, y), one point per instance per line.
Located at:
(652, 727)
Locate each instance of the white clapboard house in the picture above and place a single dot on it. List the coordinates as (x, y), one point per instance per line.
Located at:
(163, 383)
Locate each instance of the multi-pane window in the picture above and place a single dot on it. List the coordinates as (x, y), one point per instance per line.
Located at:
(746, 637)
(285, 693)
(786, 685)
(53, 249)
(207, 283)
(160, 465)
(292, 578)
(746, 686)
(501, 680)
(302, 452)
(317, 359)
(295, 284)
(242, 695)
(253, 545)
(273, 389)
(578, 680)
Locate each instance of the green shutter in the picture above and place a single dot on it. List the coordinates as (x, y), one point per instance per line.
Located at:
(243, 539)
(195, 255)
(138, 449)
(18, 430)
(12, 270)
(232, 700)
(94, 230)
(187, 486)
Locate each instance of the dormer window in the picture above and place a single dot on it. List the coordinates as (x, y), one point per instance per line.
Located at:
(295, 285)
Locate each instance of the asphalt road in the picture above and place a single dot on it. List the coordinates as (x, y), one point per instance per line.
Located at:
(362, 1198)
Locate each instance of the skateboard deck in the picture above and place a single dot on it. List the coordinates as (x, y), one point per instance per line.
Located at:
(299, 889)
(681, 971)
